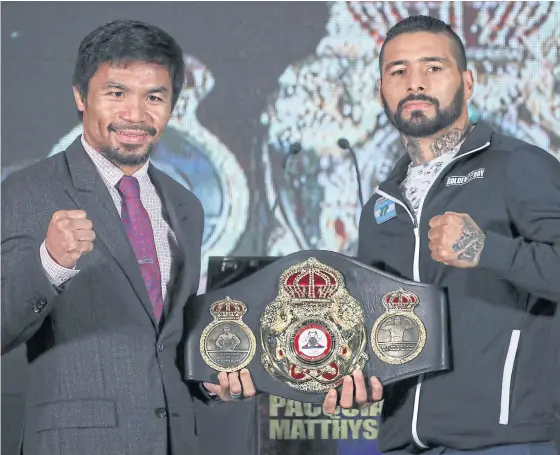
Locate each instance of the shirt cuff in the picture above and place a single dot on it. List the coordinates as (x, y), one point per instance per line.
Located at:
(56, 273)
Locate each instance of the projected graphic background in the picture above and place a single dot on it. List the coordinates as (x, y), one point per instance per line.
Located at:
(261, 76)
(332, 93)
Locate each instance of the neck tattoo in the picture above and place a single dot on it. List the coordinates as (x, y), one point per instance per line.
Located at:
(440, 144)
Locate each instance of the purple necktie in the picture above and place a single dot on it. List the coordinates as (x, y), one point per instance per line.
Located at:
(139, 230)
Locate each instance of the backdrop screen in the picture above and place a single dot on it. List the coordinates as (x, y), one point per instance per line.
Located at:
(259, 77)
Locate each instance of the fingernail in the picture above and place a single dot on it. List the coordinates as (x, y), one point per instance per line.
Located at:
(244, 371)
(358, 374)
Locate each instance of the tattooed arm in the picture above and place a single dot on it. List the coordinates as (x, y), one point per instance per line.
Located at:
(455, 239)
(530, 259)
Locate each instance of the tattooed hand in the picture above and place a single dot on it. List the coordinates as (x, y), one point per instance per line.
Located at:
(455, 239)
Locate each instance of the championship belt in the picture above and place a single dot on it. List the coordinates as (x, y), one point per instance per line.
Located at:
(302, 323)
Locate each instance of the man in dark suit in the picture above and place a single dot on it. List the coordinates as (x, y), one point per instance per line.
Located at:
(100, 252)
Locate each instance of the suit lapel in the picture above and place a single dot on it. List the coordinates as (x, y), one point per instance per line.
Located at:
(177, 211)
(91, 195)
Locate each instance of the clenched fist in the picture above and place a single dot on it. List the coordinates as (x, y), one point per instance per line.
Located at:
(455, 239)
(70, 235)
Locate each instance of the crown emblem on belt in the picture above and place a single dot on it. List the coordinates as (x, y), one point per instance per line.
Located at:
(228, 309)
(313, 282)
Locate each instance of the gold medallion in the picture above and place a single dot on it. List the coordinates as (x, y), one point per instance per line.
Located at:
(398, 336)
(227, 343)
(313, 333)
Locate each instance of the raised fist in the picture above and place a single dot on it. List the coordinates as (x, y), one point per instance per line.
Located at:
(70, 235)
(456, 240)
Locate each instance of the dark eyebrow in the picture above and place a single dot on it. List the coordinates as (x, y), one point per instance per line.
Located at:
(434, 59)
(395, 63)
(423, 60)
(112, 84)
(118, 85)
(160, 89)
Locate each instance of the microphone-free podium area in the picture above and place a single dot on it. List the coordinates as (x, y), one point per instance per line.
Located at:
(226, 270)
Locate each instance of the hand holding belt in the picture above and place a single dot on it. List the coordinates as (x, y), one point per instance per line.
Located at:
(305, 321)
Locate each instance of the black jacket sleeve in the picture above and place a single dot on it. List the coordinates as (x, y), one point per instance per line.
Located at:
(532, 260)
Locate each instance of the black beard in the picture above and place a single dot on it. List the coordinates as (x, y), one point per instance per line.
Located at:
(418, 125)
(122, 158)
(119, 156)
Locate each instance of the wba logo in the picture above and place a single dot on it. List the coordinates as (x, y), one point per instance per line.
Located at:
(463, 179)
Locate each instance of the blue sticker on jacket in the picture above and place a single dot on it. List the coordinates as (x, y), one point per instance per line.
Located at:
(384, 210)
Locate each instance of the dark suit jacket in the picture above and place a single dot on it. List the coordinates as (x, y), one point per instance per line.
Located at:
(103, 378)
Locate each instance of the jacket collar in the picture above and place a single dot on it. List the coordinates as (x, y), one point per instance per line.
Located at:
(476, 139)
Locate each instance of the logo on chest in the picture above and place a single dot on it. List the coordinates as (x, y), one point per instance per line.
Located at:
(385, 209)
(464, 179)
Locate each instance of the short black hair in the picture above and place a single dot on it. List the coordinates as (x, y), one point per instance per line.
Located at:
(124, 41)
(429, 24)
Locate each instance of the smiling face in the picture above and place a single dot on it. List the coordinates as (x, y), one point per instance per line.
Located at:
(126, 110)
(421, 87)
